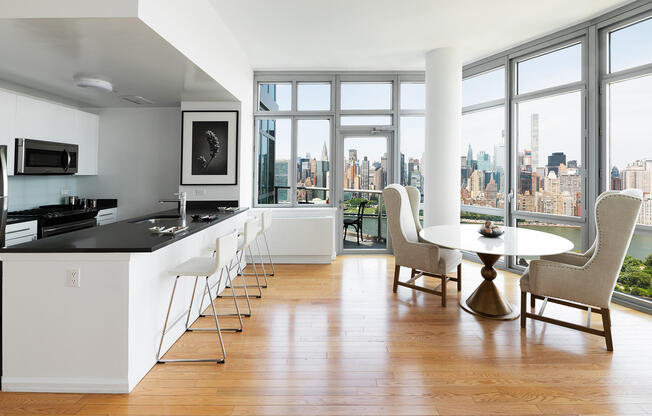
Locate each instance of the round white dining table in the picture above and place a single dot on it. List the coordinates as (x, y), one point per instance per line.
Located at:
(486, 300)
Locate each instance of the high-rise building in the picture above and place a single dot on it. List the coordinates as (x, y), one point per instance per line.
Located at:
(616, 183)
(534, 138)
(554, 160)
(476, 184)
(364, 173)
(282, 180)
(469, 156)
(484, 161)
(491, 192)
(638, 175)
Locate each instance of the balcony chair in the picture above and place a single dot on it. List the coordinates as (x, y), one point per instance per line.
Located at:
(423, 258)
(356, 222)
(586, 280)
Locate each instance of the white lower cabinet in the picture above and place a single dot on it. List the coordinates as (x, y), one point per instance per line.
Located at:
(21, 232)
(107, 216)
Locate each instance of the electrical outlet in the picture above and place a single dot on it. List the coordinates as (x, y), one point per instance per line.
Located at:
(200, 192)
(73, 278)
(65, 192)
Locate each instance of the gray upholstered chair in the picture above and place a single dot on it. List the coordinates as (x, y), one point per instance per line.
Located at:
(586, 280)
(423, 258)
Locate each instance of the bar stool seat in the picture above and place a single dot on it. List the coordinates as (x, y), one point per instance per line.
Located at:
(196, 266)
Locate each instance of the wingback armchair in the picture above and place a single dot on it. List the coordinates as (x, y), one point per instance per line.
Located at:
(425, 259)
(586, 280)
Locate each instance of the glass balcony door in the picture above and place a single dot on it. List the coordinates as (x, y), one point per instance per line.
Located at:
(366, 166)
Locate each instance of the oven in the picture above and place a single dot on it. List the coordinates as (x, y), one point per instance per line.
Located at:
(38, 157)
(50, 230)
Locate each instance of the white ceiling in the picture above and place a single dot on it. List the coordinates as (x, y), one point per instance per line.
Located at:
(390, 34)
(44, 54)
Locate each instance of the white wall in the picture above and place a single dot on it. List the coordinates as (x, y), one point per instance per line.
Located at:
(198, 31)
(139, 159)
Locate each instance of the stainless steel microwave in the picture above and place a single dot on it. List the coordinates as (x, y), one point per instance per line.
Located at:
(38, 157)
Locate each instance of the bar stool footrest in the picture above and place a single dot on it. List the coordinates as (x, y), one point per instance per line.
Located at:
(242, 287)
(192, 360)
(214, 329)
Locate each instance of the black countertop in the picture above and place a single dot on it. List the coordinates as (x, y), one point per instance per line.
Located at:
(127, 236)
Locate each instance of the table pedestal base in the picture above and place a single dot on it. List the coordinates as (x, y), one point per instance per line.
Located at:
(486, 300)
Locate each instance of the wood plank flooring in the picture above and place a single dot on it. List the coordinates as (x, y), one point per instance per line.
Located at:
(334, 340)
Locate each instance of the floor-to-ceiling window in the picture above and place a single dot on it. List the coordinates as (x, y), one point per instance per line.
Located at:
(626, 87)
(483, 146)
(302, 122)
(412, 135)
(549, 140)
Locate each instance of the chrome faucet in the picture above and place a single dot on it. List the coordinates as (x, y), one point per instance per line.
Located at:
(181, 200)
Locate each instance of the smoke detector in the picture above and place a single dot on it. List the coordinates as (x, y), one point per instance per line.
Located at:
(90, 82)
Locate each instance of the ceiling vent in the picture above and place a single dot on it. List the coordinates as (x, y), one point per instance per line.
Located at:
(137, 99)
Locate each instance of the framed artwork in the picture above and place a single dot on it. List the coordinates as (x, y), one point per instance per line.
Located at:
(209, 148)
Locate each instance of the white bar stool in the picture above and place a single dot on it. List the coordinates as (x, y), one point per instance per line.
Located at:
(244, 240)
(225, 251)
(266, 222)
(244, 246)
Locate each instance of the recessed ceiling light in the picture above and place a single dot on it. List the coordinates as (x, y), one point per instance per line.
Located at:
(90, 82)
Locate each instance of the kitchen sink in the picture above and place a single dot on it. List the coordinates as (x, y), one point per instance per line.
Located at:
(159, 220)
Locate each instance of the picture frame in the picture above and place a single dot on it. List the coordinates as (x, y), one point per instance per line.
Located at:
(209, 147)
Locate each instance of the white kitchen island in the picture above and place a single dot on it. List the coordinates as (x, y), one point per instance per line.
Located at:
(100, 337)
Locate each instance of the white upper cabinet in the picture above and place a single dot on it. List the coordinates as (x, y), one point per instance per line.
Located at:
(86, 136)
(8, 126)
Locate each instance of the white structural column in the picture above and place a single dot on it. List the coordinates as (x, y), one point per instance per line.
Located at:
(442, 150)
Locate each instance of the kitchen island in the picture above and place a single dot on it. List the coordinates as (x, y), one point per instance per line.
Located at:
(100, 336)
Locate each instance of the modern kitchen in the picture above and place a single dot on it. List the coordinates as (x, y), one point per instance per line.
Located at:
(96, 206)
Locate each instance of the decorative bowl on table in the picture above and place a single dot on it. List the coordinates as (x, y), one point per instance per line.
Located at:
(489, 229)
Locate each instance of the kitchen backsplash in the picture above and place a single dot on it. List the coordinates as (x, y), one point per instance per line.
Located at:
(27, 192)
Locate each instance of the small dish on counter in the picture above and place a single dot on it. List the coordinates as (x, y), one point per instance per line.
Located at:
(168, 230)
(203, 218)
(226, 209)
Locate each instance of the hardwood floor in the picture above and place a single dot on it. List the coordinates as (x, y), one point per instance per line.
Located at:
(334, 340)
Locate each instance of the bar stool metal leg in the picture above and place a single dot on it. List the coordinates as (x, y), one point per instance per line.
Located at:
(269, 254)
(211, 301)
(189, 360)
(262, 265)
(253, 264)
(167, 316)
(239, 272)
(217, 323)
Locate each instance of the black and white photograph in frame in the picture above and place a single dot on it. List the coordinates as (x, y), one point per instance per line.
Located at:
(209, 149)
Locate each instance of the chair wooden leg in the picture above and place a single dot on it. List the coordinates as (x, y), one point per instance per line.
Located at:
(606, 323)
(459, 277)
(397, 270)
(532, 301)
(444, 280)
(523, 308)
